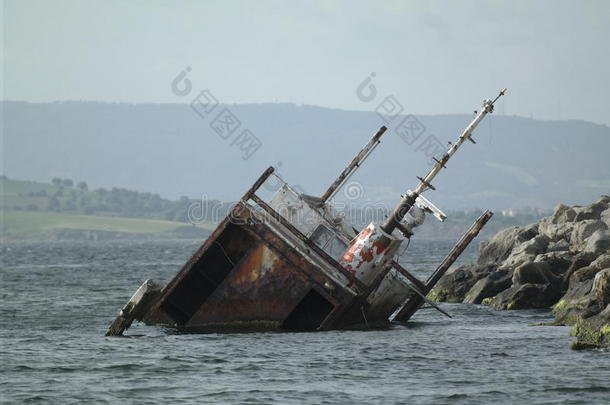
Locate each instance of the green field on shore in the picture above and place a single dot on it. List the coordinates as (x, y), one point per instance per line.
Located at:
(35, 210)
(24, 224)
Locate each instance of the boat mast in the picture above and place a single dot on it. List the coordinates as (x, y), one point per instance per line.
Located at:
(425, 183)
(354, 164)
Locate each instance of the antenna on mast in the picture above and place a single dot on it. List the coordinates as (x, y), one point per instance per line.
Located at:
(425, 183)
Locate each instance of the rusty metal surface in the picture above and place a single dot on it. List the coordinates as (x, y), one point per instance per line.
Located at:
(156, 315)
(263, 287)
(260, 291)
(309, 243)
(369, 252)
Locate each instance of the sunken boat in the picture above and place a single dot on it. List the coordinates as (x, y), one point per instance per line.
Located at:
(294, 263)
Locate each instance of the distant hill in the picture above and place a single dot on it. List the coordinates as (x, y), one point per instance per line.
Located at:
(168, 149)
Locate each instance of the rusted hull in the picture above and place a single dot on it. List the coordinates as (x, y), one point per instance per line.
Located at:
(246, 277)
(260, 273)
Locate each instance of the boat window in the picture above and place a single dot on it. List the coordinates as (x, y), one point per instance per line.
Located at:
(329, 242)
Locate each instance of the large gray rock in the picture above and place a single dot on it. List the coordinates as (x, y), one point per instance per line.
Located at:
(605, 217)
(562, 224)
(592, 211)
(584, 229)
(525, 296)
(593, 331)
(489, 286)
(526, 252)
(453, 286)
(585, 273)
(559, 262)
(500, 246)
(576, 301)
(534, 246)
(563, 259)
(557, 231)
(602, 262)
(561, 245)
(581, 299)
(563, 214)
(581, 260)
(598, 243)
(534, 273)
(601, 287)
(515, 260)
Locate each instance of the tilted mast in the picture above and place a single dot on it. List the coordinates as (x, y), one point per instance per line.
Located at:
(425, 183)
(354, 164)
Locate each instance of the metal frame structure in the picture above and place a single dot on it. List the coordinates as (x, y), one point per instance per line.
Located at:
(262, 269)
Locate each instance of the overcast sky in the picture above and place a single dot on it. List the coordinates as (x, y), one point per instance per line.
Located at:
(434, 57)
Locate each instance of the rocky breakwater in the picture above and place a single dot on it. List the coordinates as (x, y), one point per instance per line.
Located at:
(561, 262)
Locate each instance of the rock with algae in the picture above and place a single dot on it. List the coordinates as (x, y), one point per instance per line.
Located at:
(562, 261)
(592, 332)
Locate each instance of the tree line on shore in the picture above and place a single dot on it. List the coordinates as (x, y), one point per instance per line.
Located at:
(68, 196)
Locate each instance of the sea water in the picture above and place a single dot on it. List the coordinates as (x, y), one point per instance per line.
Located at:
(58, 299)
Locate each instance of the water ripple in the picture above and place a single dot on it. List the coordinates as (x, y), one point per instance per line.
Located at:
(58, 298)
